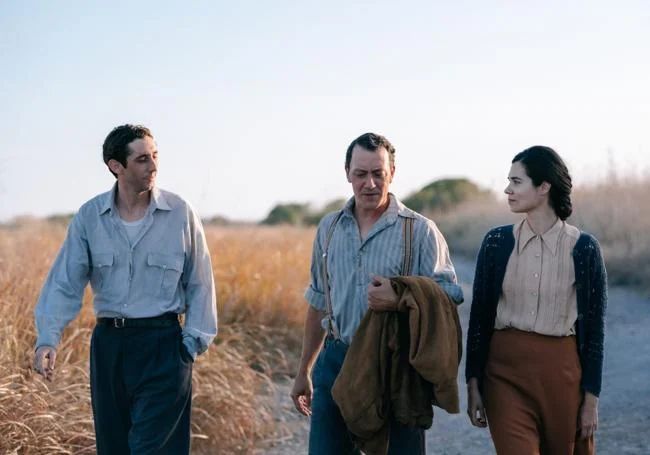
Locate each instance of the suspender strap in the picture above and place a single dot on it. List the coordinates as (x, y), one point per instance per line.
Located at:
(332, 329)
(407, 234)
(407, 239)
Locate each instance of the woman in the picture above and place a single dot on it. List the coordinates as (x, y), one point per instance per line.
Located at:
(535, 340)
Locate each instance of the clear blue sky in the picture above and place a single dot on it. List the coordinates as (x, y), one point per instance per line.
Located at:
(254, 103)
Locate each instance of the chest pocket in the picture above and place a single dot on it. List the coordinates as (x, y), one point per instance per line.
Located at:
(102, 270)
(163, 273)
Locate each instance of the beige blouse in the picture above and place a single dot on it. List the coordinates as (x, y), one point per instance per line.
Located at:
(539, 292)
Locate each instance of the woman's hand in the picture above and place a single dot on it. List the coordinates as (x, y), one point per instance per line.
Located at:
(588, 416)
(475, 409)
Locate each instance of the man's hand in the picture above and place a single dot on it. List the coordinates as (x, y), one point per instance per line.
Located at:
(475, 409)
(301, 393)
(44, 360)
(381, 295)
(588, 416)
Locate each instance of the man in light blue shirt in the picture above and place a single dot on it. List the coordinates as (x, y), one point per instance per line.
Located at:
(144, 253)
(354, 251)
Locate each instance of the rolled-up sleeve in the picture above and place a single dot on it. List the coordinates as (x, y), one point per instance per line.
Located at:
(315, 293)
(61, 296)
(200, 296)
(436, 263)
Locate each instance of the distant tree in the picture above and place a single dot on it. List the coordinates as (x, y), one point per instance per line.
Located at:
(217, 220)
(300, 214)
(444, 195)
(441, 195)
(314, 217)
(287, 214)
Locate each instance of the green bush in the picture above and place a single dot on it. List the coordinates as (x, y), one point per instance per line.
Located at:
(444, 195)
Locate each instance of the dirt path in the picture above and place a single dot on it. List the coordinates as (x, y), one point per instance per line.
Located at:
(625, 399)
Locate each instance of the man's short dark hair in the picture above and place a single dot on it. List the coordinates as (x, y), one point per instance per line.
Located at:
(116, 144)
(371, 142)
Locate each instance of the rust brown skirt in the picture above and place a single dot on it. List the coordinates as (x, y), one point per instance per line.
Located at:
(532, 394)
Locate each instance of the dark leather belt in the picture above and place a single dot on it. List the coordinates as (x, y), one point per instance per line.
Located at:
(164, 320)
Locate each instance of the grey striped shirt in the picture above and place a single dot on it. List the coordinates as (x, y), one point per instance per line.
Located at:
(166, 269)
(351, 262)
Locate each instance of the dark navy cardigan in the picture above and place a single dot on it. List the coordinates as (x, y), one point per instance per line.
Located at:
(591, 293)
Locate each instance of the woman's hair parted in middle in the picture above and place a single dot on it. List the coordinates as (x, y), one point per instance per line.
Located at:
(543, 164)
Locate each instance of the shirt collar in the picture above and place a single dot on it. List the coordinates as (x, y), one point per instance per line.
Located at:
(158, 200)
(550, 238)
(107, 200)
(395, 209)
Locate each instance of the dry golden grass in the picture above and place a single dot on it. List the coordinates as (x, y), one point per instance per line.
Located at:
(261, 274)
(618, 214)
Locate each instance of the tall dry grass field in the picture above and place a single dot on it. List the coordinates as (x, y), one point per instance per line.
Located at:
(260, 273)
(617, 212)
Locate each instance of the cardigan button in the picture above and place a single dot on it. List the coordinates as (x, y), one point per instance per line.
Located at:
(579, 317)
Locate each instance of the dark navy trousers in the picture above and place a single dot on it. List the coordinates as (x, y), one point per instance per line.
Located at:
(328, 434)
(141, 389)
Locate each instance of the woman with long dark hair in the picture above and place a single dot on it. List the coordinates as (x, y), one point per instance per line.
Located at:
(536, 331)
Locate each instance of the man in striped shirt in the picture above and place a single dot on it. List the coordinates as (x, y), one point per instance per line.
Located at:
(354, 252)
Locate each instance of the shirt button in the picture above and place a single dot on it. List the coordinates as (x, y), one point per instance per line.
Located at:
(537, 255)
(532, 312)
(536, 275)
(534, 292)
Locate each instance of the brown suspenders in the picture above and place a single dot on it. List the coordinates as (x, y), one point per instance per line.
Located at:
(407, 239)
(332, 330)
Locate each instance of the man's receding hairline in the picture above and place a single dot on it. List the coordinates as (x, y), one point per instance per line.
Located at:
(391, 165)
(131, 151)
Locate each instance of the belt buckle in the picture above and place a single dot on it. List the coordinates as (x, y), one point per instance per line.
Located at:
(118, 323)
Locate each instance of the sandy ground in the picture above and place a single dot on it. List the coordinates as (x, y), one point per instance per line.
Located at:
(625, 398)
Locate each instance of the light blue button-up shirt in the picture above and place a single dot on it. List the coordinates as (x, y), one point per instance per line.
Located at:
(351, 261)
(166, 268)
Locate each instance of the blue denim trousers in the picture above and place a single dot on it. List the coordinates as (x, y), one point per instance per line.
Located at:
(328, 434)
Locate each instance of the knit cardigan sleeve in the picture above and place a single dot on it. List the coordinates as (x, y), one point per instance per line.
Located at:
(479, 332)
(488, 278)
(592, 342)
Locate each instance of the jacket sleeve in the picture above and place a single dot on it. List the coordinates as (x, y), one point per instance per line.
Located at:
(592, 365)
(477, 334)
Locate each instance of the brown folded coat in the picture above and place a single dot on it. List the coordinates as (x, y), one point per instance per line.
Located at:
(400, 364)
